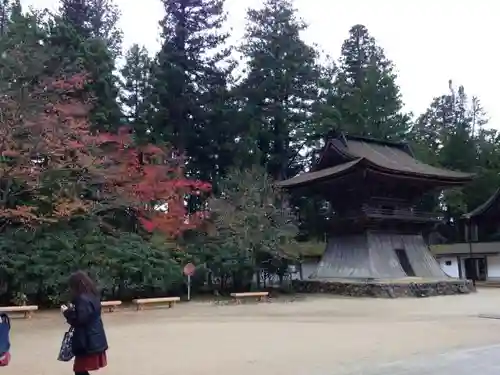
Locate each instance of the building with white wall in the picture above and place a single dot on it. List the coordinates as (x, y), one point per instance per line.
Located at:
(478, 257)
(477, 260)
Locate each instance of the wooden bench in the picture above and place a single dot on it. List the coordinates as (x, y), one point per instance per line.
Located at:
(259, 295)
(146, 301)
(27, 310)
(110, 305)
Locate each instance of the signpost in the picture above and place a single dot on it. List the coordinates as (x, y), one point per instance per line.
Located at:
(189, 270)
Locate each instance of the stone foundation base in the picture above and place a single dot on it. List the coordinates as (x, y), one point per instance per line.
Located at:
(385, 288)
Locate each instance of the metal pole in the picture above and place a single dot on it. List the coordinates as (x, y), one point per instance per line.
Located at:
(189, 287)
(470, 219)
(470, 249)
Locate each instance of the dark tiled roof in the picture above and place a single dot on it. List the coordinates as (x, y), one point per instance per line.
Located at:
(318, 175)
(389, 157)
(396, 159)
(486, 206)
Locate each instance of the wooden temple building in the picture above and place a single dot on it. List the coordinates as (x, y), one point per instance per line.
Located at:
(477, 255)
(373, 188)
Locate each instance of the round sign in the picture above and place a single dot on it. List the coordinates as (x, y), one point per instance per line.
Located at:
(189, 269)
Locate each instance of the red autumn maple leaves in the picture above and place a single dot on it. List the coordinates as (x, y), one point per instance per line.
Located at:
(38, 129)
(151, 180)
(50, 146)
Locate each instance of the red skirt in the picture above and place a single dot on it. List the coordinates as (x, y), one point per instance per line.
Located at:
(90, 362)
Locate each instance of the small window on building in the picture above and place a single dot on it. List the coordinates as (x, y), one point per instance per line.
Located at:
(448, 262)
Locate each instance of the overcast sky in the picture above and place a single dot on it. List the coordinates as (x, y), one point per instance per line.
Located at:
(430, 41)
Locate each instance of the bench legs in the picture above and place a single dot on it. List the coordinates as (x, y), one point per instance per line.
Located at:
(140, 306)
(109, 309)
(28, 314)
(238, 301)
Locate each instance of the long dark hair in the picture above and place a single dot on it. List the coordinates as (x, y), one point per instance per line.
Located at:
(80, 283)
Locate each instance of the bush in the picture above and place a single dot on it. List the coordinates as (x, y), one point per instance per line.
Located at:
(38, 263)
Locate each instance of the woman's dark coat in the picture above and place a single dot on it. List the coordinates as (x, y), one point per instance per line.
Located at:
(85, 318)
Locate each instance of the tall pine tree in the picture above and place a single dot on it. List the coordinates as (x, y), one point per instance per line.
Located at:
(76, 13)
(136, 87)
(4, 16)
(451, 134)
(94, 19)
(86, 34)
(25, 58)
(368, 98)
(280, 88)
(103, 21)
(190, 81)
(446, 129)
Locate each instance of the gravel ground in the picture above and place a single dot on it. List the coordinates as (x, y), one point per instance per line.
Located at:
(316, 335)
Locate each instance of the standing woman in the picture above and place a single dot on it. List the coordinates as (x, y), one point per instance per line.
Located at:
(84, 315)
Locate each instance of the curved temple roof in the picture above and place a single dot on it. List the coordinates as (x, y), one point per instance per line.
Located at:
(319, 175)
(485, 207)
(387, 157)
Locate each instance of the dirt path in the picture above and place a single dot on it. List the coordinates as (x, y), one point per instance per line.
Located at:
(317, 336)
